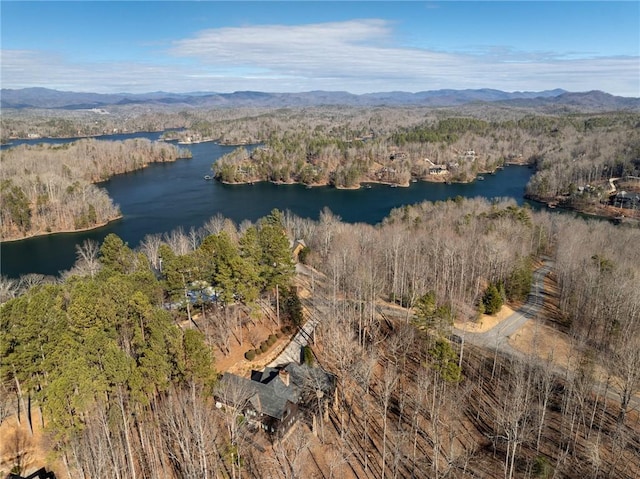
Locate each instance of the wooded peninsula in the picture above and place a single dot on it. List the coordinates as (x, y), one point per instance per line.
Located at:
(577, 158)
(49, 188)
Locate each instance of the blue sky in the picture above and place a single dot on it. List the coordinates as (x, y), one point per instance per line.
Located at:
(359, 47)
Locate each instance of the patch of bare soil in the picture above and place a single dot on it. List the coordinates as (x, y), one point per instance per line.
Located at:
(555, 347)
(545, 342)
(549, 340)
(235, 362)
(25, 449)
(486, 321)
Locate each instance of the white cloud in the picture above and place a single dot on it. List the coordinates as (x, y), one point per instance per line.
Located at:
(27, 68)
(357, 56)
(361, 56)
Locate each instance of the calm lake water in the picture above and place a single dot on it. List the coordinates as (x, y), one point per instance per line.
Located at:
(163, 197)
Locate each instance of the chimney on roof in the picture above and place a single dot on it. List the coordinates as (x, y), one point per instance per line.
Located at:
(284, 377)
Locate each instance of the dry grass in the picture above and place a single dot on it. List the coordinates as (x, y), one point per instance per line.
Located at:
(235, 362)
(486, 321)
(544, 342)
(16, 439)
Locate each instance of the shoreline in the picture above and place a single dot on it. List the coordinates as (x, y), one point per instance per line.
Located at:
(600, 213)
(49, 233)
(98, 135)
(223, 143)
(82, 137)
(96, 182)
(314, 185)
(181, 142)
(361, 185)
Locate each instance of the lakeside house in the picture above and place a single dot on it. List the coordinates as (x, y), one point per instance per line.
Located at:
(274, 399)
(398, 155)
(624, 199)
(436, 169)
(470, 155)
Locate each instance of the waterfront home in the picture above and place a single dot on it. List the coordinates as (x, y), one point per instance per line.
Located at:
(274, 399)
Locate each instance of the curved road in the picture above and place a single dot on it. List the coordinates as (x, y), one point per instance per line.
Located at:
(498, 336)
(495, 338)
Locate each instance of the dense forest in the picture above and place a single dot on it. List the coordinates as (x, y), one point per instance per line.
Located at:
(81, 123)
(570, 152)
(416, 395)
(576, 154)
(50, 188)
(130, 357)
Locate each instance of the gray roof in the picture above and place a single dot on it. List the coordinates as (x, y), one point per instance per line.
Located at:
(303, 376)
(270, 398)
(269, 395)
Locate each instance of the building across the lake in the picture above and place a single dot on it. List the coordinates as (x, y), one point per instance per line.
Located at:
(435, 169)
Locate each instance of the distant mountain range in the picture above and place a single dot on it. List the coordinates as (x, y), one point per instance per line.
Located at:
(54, 99)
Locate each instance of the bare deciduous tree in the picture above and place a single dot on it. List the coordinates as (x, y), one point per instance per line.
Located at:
(8, 288)
(189, 435)
(87, 257)
(150, 246)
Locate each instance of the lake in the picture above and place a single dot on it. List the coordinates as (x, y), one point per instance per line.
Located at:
(165, 196)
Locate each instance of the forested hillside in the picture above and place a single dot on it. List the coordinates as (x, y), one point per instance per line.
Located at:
(576, 154)
(418, 393)
(578, 169)
(570, 151)
(80, 123)
(50, 188)
(107, 361)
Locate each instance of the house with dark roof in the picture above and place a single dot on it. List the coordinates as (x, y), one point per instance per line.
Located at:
(41, 473)
(275, 399)
(624, 199)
